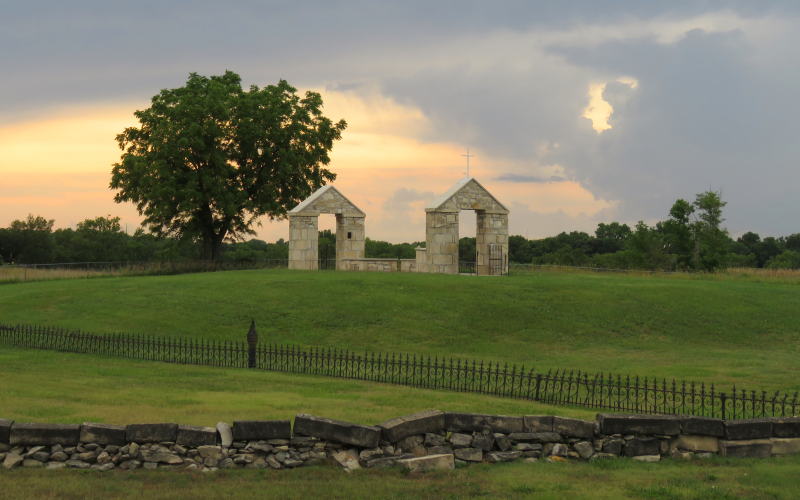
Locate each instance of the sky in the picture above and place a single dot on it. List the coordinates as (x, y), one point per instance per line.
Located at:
(576, 112)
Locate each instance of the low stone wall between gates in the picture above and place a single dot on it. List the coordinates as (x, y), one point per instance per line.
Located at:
(379, 264)
(424, 441)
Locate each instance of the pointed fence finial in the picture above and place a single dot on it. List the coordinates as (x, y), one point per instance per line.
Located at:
(252, 342)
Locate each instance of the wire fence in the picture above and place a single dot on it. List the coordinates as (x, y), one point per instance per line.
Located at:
(631, 394)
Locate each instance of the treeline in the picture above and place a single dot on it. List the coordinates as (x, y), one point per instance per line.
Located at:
(691, 238)
(34, 241)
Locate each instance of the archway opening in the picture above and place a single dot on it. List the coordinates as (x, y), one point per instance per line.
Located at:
(326, 253)
(467, 233)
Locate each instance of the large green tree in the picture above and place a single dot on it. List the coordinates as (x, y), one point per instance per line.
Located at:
(209, 158)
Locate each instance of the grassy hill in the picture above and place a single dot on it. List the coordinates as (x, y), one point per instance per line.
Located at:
(726, 331)
(723, 330)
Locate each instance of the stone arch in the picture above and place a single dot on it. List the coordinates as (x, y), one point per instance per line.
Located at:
(441, 230)
(304, 229)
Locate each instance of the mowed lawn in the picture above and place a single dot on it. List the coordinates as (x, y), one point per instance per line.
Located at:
(46, 386)
(58, 387)
(734, 330)
(717, 479)
(725, 331)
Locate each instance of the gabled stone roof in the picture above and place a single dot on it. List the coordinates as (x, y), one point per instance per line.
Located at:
(327, 200)
(467, 194)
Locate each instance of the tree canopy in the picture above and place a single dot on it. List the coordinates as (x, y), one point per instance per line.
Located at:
(209, 158)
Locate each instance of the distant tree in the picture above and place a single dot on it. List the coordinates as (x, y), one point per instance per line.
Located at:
(209, 158)
(792, 242)
(33, 223)
(789, 259)
(101, 225)
(611, 237)
(646, 249)
(519, 250)
(29, 240)
(711, 241)
(677, 231)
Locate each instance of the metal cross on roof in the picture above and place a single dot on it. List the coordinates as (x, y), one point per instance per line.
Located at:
(468, 156)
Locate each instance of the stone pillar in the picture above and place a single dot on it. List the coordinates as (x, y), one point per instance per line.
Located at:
(422, 260)
(491, 243)
(303, 242)
(441, 241)
(350, 239)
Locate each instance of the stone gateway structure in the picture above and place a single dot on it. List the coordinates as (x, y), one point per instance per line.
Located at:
(441, 230)
(440, 254)
(304, 229)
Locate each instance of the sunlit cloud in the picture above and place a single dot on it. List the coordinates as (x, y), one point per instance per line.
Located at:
(599, 111)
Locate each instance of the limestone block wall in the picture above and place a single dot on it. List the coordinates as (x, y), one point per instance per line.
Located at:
(492, 230)
(350, 239)
(303, 242)
(381, 265)
(418, 442)
(441, 241)
(422, 260)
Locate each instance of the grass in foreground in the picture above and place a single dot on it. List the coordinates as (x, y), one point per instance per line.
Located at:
(724, 331)
(708, 480)
(44, 386)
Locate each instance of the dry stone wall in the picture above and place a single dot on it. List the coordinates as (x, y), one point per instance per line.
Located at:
(424, 441)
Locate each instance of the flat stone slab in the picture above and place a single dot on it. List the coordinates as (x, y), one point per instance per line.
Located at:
(573, 427)
(785, 446)
(151, 433)
(537, 423)
(475, 422)
(696, 443)
(254, 430)
(103, 434)
(192, 436)
(469, 454)
(756, 428)
(788, 427)
(363, 436)
(752, 448)
(666, 425)
(642, 446)
(5, 430)
(430, 421)
(44, 434)
(503, 456)
(429, 463)
(703, 426)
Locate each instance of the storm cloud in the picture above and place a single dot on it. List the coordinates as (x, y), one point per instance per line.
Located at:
(701, 95)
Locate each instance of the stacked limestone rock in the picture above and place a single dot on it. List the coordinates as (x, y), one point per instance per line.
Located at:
(424, 441)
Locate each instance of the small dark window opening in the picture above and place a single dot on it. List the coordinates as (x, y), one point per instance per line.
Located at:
(349, 235)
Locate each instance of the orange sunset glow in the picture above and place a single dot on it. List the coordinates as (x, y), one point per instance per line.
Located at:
(58, 165)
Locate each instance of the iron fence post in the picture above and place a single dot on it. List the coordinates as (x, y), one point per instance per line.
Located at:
(722, 398)
(252, 342)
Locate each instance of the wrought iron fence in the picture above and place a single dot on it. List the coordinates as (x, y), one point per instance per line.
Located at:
(558, 387)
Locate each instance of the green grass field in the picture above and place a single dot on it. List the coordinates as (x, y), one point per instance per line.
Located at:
(717, 479)
(44, 386)
(741, 331)
(729, 330)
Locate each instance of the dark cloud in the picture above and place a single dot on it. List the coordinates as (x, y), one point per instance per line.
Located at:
(522, 178)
